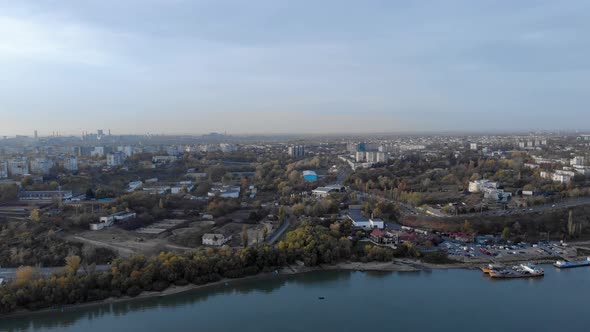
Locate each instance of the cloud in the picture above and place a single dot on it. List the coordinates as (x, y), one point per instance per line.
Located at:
(49, 40)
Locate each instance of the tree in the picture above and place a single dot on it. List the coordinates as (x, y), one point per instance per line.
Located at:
(72, 264)
(35, 215)
(505, 233)
(24, 274)
(264, 232)
(244, 236)
(467, 228)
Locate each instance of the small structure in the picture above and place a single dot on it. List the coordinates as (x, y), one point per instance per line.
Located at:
(210, 239)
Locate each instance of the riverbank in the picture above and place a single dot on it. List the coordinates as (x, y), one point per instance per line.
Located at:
(399, 265)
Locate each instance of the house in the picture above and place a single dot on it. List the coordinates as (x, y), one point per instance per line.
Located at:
(210, 239)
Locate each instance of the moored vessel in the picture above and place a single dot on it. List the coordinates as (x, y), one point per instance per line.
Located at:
(565, 265)
(519, 271)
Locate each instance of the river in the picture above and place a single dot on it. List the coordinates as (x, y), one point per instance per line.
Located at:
(439, 300)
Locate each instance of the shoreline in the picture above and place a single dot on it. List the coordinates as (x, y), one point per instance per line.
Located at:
(401, 265)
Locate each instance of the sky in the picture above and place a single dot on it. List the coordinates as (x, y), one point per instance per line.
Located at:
(277, 66)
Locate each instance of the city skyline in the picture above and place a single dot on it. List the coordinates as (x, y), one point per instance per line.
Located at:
(270, 67)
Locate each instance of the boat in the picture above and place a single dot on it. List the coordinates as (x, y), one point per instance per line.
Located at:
(321, 298)
(519, 271)
(491, 267)
(565, 265)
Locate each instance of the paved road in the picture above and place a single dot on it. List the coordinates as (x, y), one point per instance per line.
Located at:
(534, 209)
(406, 209)
(277, 233)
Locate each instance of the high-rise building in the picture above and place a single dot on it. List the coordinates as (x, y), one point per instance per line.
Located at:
(577, 161)
(36, 135)
(18, 167)
(3, 169)
(71, 164)
(297, 151)
(115, 159)
(41, 165)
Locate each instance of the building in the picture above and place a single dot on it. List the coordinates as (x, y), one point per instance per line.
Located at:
(479, 185)
(41, 165)
(497, 195)
(310, 176)
(182, 187)
(134, 185)
(3, 169)
(473, 146)
(97, 151)
(48, 195)
(115, 159)
(224, 191)
(562, 177)
(215, 239)
(71, 164)
(297, 151)
(577, 161)
(359, 221)
(325, 191)
(127, 150)
(164, 159)
(227, 148)
(18, 167)
(384, 237)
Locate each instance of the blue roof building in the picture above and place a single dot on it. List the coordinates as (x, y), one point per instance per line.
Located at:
(310, 176)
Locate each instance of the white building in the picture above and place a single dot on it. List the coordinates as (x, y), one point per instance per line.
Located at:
(360, 221)
(134, 185)
(225, 191)
(215, 239)
(577, 161)
(479, 185)
(473, 146)
(127, 150)
(226, 147)
(325, 191)
(98, 151)
(71, 164)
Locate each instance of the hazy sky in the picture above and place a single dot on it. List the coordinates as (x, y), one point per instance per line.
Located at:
(271, 66)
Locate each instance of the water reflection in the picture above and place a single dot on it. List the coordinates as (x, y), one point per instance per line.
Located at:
(61, 319)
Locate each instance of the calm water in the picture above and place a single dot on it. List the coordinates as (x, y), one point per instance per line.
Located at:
(453, 300)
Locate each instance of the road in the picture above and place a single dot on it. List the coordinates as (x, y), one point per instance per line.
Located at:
(534, 209)
(407, 210)
(278, 232)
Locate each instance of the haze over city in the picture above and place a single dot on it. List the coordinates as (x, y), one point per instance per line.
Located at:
(292, 66)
